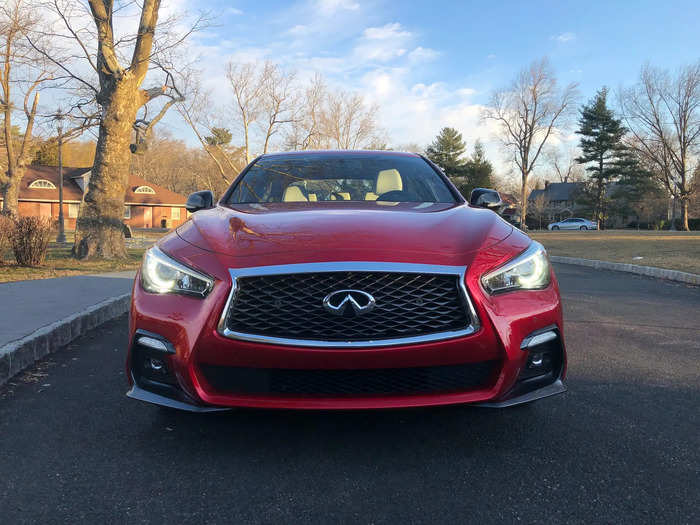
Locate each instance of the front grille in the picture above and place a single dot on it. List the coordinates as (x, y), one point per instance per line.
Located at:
(290, 306)
(376, 381)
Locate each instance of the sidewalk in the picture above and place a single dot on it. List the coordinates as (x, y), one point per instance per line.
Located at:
(39, 316)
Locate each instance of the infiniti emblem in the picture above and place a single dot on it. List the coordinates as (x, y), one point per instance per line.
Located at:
(348, 303)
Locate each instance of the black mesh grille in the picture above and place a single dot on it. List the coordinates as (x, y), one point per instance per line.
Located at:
(291, 306)
(386, 381)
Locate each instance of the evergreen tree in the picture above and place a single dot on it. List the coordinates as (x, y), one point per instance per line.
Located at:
(219, 137)
(46, 154)
(446, 151)
(478, 171)
(605, 156)
(634, 190)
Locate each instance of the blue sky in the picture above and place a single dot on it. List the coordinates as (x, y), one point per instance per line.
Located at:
(430, 64)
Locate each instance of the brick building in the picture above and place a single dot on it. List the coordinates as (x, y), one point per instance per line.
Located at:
(146, 205)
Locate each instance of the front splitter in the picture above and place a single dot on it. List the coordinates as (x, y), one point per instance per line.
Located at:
(546, 391)
(139, 393)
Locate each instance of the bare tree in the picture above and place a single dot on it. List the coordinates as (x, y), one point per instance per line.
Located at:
(412, 147)
(279, 100)
(247, 84)
(527, 114)
(334, 119)
(562, 161)
(197, 111)
(90, 62)
(540, 205)
(306, 129)
(348, 122)
(22, 68)
(169, 162)
(662, 113)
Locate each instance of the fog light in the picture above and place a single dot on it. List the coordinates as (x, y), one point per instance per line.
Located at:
(535, 360)
(155, 364)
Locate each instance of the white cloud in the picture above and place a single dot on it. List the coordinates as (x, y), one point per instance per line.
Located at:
(233, 11)
(386, 32)
(383, 43)
(563, 38)
(466, 92)
(299, 30)
(423, 54)
(415, 112)
(381, 62)
(331, 6)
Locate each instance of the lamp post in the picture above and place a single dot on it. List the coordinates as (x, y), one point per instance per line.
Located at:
(61, 227)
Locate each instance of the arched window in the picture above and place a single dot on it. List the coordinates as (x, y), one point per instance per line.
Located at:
(43, 184)
(144, 189)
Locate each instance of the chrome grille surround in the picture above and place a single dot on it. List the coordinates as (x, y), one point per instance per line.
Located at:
(351, 266)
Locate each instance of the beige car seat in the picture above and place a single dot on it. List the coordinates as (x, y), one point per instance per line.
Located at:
(387, 180)
(294, 194)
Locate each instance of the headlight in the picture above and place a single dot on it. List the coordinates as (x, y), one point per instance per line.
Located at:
(162, 274)
(528, 271)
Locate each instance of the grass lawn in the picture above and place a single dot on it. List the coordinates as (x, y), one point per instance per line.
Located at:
(663, 249)
(59, 263)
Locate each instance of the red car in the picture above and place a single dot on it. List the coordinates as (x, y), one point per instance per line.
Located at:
(344, 280)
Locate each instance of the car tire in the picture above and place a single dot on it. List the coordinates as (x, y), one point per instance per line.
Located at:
(555, 228)
(583, 228)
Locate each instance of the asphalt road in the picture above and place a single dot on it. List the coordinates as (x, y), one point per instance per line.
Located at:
(621, 446)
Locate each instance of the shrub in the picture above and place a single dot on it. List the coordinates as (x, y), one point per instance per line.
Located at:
(30, 240)
(6, 227)
(693, 224)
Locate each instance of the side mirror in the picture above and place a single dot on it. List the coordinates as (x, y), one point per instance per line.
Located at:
(200, 200)
(486, 198)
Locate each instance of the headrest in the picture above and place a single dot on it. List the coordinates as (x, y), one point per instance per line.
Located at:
(293, 194)
(388, 180)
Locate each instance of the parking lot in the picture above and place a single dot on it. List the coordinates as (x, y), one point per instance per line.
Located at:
(621, 446)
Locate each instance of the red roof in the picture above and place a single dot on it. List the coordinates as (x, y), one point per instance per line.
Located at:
(162, 196)
(72, 191)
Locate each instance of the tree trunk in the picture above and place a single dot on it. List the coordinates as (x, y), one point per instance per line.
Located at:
(599, 196)
(684, 214)
(247, 150)
(10, 187)
(100, 230)
(523, 201)
(10, 192)
(267, 142)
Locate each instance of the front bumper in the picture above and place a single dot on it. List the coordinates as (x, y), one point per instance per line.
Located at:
(192, 340)
(190, 351)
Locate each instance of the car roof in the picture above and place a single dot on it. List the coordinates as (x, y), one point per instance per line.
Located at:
(337, 153)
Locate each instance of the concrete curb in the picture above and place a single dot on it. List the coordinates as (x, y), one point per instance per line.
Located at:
(649, 271)
(19, 354)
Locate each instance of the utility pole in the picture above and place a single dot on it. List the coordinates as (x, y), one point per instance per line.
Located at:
(61, 226)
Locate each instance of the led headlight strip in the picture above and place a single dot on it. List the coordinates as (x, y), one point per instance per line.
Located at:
(163, 274)
(528, 271)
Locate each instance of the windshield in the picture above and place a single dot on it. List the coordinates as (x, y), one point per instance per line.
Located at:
(328, 177)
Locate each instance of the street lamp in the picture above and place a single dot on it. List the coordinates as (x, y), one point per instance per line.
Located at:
(61, 227)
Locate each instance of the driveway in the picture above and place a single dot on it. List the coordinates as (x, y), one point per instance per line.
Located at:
(621, 446)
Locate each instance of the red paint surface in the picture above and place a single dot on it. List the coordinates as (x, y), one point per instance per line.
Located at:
(248, 235)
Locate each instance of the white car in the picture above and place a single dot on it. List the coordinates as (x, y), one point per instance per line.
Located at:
(574, 223)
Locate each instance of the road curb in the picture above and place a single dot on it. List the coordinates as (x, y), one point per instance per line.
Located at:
(649, 271)
(19, 354)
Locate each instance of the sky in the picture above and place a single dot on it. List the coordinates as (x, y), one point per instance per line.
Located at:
(434, 63)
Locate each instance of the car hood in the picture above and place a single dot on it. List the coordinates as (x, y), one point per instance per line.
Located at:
(255, 229)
